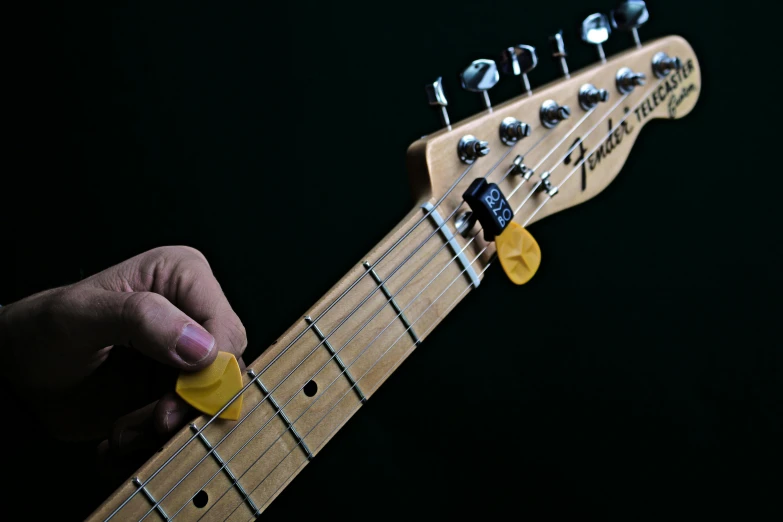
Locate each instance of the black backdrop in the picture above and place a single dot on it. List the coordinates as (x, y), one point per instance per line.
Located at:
(639, 372)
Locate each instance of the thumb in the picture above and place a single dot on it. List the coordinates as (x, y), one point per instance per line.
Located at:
(146, 321)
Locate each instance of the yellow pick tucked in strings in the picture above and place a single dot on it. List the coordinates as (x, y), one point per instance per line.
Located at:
(519, 253)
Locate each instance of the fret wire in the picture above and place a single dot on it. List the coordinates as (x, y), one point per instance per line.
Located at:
(402, 335)
(299, 336)
(415, 297)
(347, 368)
(320, 315)
(435, 232)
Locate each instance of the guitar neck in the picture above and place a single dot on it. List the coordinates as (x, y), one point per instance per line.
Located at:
(312, 379)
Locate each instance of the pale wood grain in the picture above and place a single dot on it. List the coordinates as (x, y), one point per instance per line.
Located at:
(383, 344)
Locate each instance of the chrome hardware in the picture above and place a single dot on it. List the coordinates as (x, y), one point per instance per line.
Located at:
(520, 168)
(280, 413)
(590, 96)
(456, 249)
(400, 315)
(559, 52)
(627, 80)
(546, 184)
(629, 16)
(438, 99)
(663, 64)
(139, 484)
(596, 31)
(465, 223)
(480, 76)
(470, 148)
(512, 130)
(232, 478)
(552, 113)
(518, 61)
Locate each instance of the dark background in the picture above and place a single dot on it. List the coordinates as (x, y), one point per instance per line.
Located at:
(639, 373)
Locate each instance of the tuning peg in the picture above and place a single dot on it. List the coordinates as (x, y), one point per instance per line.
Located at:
(590, 96)
(596, 30)
(438, 99)
(627, 80)
(518, 61)
(471, 148)
(552, 113)
(663, 64)
(480, 76)
(629, 16)
(559, 52)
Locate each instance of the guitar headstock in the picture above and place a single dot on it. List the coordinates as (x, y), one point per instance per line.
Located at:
(579, 129)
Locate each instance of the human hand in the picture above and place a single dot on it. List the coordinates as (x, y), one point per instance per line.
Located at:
(68, 352)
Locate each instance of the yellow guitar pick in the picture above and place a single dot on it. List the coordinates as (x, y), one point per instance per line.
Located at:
(210, 389)
(519, 253)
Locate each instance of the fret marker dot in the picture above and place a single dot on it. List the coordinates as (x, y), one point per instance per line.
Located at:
(310, 388)
(201, 499)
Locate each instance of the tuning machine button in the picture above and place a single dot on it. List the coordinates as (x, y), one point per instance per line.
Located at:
(596, 31)
(438, 99)
(629, 16)
(559, 52)
(471, 148)
(480, 76)
(590, 96)
(512, 130)
(663, 64)
(518, 61)
(627, 80)
(552, 113)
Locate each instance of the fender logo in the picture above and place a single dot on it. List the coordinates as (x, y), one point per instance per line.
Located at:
(612, 141)
(615, 136)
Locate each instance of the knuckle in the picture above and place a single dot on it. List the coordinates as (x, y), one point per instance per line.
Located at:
(188, 253)
(141, 308)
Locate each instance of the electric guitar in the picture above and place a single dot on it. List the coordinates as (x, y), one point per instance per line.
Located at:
(479, 184)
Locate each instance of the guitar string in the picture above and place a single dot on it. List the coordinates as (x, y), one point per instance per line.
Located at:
(404, 286)
(412, 301)
(459, 276)
(197, 433)
(299, 336)
(494, 167)
(302, 333)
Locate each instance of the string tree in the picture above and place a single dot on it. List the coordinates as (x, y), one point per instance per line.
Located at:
(629, 16)
(480, 76)
(519, 61)
(546, 184)
(437, 98)
(595, 31)
(519, 168)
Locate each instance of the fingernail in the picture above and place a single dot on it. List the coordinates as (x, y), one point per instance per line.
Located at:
(194, 344)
